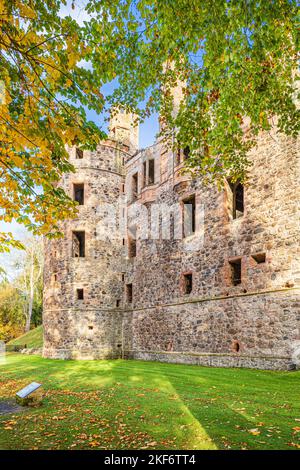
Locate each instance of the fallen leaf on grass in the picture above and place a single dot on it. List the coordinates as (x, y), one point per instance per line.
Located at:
(294, 444)
(254, 432)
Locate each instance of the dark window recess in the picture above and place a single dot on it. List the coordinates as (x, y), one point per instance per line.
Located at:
(188, 283)
(78, 245)
(259, 258)
(144, 173)
(151, 175)
(237, 190)
(123, 188)
(79, 193)
(80, 295)
(118, 303)
(236, 271)
(131, 247)
(129, 293)
(79, 153)
(189, 216)
(178, 156)
(186, 152)
(91, 327)
(236, 346)
(123, 277)
(134, 186)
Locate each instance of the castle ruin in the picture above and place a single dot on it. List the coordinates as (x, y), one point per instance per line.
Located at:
(158, 266)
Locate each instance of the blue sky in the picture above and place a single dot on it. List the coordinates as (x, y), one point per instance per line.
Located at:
(148, 131)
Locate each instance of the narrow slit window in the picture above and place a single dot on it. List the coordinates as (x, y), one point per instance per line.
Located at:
(236, 271)
(188, 283)
(118, 301)
(78, 245)
(151, 175)
(79, 153)
(134, 186)
(189, 216)
(145, 174)
(80, 294)
(178, 156)
(129, 293)
(131, 247)
(79, 193)
(237, 190)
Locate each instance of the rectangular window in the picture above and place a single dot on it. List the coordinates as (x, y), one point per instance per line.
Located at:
(131, 247)
(189, 216)
(78, 191)
(188, 283)
(186, 152)
(134, 186)
(118, 303)
(259, 258)
(79, 153)
(78, 244)
(151, 172)
(236, 271)
(79, 293)
(129, 293)
(237, 190)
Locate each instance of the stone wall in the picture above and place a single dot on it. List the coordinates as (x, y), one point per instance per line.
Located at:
(264, 325)
(253, 324)
(88, 327)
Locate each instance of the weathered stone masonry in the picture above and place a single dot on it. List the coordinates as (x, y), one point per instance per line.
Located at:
(252, 324)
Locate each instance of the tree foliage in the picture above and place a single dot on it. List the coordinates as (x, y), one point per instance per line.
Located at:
(21, 298)
(236, 59)
(44, 92)
(12, 319)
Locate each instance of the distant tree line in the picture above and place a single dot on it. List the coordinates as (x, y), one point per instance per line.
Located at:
(21, 298)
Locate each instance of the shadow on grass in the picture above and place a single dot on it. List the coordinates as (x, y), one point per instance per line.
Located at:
(179, 406)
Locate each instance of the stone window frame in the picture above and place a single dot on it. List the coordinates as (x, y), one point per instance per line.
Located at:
(79, 183)
(230, 262)
(183, 200)
(79, 153)
(258, 259)
(80, 294)
(134, 186)
(129, 293)
(181, 154)
(230, 200)
(79, 229)
(183, 282)
(145, 172)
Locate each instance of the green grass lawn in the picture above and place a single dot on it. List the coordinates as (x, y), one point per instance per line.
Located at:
(136, 405)
(32, 339)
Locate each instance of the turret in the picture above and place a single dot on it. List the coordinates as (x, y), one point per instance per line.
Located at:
(124, 129)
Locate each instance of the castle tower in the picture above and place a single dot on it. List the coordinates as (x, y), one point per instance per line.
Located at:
(83, 285)
(124, 129)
